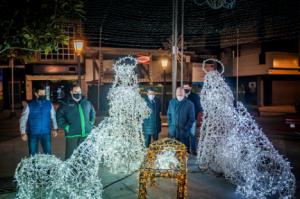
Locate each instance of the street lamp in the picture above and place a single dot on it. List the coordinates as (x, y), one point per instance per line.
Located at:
(164, 65)
(78, 49)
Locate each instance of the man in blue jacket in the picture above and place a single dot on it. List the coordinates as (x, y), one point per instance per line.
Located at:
(35, 123)
(195, 99)
(181, 116)
(152, 124)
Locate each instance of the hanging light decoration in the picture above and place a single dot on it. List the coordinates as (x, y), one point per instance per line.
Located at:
(215, 4)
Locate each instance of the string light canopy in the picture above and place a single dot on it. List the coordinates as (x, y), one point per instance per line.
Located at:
(148, 24)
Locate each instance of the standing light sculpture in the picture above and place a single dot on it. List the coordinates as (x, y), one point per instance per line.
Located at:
(117, 142)
(232, 143)
(122, 139)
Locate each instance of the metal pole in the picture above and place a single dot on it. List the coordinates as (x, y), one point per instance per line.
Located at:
(99, 72)
(182, 42)
(237, 66)
(78, 70)
(11, 64)
(174, 47)
(164, 93)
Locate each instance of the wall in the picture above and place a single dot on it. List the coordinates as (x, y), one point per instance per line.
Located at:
(285, 92)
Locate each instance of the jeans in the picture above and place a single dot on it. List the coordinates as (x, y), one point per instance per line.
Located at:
(192, 140)
(148, 139)
(33, 143)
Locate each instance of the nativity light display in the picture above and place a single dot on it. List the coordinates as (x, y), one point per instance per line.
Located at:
(117, 142)
(122, 139)
(231, 143)
(165, 158)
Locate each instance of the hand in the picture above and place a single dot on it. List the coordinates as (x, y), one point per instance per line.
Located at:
(24, 137)
(54, 133)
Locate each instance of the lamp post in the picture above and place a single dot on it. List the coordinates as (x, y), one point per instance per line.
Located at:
(164, 65)
(11, 58)
(78, 48)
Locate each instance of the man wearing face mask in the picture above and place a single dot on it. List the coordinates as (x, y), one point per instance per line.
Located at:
(76, 115)
(35, 122)
(152, 124)
(195, 99)
(181, 116)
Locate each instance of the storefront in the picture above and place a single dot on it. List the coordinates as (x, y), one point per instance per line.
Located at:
(56, 78)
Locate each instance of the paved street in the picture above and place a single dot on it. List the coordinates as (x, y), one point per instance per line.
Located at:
(200, 184)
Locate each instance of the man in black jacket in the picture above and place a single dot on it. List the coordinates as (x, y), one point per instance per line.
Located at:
(195, 99)
(76, 115)
(181, 117)
(152, 124)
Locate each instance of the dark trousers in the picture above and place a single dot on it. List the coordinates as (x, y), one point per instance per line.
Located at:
(72, 144)
(148, 139)
(184, 140)
(34, 140)
(192, 142)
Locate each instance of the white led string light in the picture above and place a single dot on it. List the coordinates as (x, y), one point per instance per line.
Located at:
(117, 142)
(232, 143)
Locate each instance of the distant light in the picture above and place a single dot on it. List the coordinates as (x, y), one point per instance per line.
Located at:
(164, 63)
(188, 59)
(78, 46)
(143, 59)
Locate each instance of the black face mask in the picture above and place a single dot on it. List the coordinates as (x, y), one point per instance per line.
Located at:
(77, 96)
(42, 97)
(187, 91)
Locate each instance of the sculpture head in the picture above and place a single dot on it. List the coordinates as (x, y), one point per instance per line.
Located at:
(124, 70)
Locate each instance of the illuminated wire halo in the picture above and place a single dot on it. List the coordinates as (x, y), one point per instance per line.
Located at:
(215, 60)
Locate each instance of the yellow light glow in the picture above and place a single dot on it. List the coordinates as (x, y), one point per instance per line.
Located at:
(286, 63)
(78, 46)
(148, 170)
(164, 63)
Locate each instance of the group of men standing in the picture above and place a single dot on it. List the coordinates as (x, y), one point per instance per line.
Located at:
(182, 116)
(76, 116)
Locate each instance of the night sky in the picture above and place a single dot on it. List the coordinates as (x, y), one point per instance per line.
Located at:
(148, 24)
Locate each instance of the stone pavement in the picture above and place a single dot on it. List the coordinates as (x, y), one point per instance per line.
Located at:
(200, 184)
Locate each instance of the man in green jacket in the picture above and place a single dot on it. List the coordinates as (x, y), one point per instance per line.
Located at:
(76, 115)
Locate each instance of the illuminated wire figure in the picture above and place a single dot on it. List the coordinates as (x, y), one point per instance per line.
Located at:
(231, 143)
(117, 142)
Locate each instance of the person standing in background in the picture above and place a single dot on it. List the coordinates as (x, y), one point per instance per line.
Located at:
(152, 124)
(76, 115)
(181, 116)
(35, 122)
(195, 99)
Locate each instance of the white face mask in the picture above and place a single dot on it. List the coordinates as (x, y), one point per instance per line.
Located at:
(180, 98)
(151, 97)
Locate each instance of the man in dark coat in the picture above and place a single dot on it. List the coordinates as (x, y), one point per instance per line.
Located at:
(195, 99)
(76, 115)
(35, 122)
(181, 116)
(152, 124)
